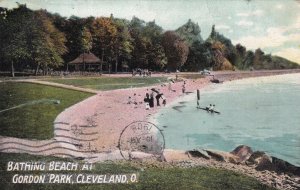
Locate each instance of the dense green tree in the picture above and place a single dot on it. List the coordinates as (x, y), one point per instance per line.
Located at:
(199, 57)
(229, 47)
(148, 51)
(190, 32)
(47, 43)
(220, 62)
(77, 35)
(122, 43)
(139, 53)
(222, 50)
(14, 36)
(42, 40)
(258, 59)
(104, 33)
(155, 58)
(3, 15)
(86, 40)
(176, 50)
(30, 37)
(248, 60)
(240, 56)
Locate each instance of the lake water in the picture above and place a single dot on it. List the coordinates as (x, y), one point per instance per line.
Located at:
(263, 113)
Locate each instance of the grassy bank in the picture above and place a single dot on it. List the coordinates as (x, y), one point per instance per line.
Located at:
(110, 83)
(149, 178)
(28, 110)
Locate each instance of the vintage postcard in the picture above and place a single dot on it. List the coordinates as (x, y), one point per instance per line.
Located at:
(150, 94)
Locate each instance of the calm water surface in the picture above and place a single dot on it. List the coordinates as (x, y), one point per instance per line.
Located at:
(263, 113)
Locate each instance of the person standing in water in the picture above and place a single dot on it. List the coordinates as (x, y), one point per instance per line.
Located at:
(183, 87)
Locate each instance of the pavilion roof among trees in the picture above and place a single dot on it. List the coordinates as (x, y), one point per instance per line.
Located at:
(88, 58)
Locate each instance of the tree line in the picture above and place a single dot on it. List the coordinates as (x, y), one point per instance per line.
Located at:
(39, 40)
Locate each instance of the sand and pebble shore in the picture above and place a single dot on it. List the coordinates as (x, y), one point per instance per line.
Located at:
(92, 127)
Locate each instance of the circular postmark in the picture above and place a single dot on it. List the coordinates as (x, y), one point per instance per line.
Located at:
(141, 137)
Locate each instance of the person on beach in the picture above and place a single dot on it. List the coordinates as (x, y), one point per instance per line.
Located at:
(183, 87)
(151, 101)
(158, 96)
(134, 99)
(164, 102)
(147, 105)
(147, 101)
(129, 100)
(147, 98)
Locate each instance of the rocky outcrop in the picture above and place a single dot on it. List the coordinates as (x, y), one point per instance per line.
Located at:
(285, 167)
(268, 170)
(216, 155)
(265, 163)
(255, 157)
(198, 154)
(243, 153)
(262, 161)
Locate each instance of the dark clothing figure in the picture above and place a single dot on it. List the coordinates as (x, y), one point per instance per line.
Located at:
(158, 96)
(151, 101)
(147, 98)
(147, 101)
(183, 87)
(164, 102)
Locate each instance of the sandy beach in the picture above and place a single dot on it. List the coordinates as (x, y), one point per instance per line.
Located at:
(108, 113)
(91, 129)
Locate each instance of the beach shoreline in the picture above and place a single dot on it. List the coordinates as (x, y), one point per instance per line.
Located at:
(94, 125)
(106, 114)
(91, 129)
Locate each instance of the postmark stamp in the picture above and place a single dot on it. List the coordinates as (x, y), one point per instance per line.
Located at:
(141, 137)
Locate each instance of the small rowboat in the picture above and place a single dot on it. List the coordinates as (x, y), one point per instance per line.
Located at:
(211, 111)
(206, 109)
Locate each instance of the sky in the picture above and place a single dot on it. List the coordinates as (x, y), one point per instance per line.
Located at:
(272, 25)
